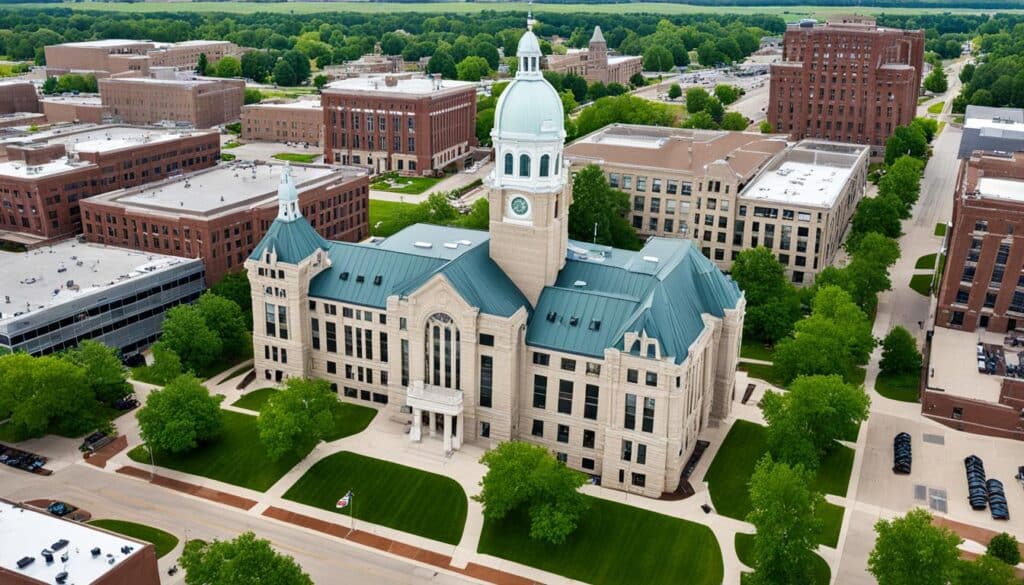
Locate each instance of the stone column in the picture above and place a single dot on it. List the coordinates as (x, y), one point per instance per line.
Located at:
(417, 425)
(459, 424)
(447, 433)
(431, 425)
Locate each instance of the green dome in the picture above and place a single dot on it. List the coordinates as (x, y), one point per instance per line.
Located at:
(532, 107)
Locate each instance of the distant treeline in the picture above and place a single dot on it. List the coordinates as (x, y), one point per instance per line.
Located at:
(987, 4)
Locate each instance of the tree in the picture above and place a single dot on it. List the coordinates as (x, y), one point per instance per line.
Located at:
(905, 140)
(442, 62)
(257, 65)
(701, 121)
(45, 393)
(658, 58)
(284, 75)
(299, 63)
(229, 67)
(50, 85)
(320, 81)
(479, 216)
(879, 214)
(966, 73)
(596, 205)
(296, 418)
(107, 376)
(804, 422)
(766, 127)
(910, 551)
(235, 287)
(484, 125)
(715, 109)
(166, 365)
(772, 303)
(253, 96)
(568, 101)
(675, 92)
(727, 94)
(696, 99)
(224, 317)
(1004, 547)
(936, 81)
(523, 475)
(982, 97)
(202, 64)
(734, 121)
(929, 127)
(899, 353)
(244, 560)
(637, 80)
(186, 333)
(867, 274)
(180, 416)
(985, 570)
(783, 510)
(472, 68)
(902, 179)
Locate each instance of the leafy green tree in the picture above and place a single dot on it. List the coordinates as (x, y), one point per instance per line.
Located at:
(985, 570)
(235, 287)
(284, 75)
(804, 422)
(595, 203)
(658, 58)
(186, 333)
(927, 126)
(727, 94)
(783, 511)
(568, 101)
(257, 65)
(444, 63)
(299, 63)
(701, 121)
(296, 418)
(905, 140)
(1004, 547)
(521, 475)
(772, 303)
(479, 216)
(615, 89)
(911, 551)
(320, 81)
(967, 72)
(697, 99)
(181, 416)
(202, 64)
(577, 85)
(244, 560)
(472, 68)
(902, 179)
(936, 81)
(675, 92)
(224, 317)
(107, 376)
(50, 85)
(637, 80)
(879, 214)
(229, 67)
(734, 121)
(766, 127)
(982, 97)
(715, 109)
(899, 353)
(867, 274)
(166, 365)
(484, 125)
(253, 96)
(46, 393)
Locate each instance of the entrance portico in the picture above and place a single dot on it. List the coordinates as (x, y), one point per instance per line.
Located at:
(436, 403)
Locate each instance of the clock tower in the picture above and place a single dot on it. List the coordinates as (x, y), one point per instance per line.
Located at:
(528, 189)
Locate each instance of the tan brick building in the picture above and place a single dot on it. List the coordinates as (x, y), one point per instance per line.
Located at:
(615, 360)
(201, 102)
(18, 96)
(185, 55)
(22, 119)
(220, 214)
(301, 121)
(85, 109)
(120, 57)
(46, 177)
(847, 81)
(595, 64)
(414, 126)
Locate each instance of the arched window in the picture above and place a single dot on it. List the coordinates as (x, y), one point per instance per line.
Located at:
(508, 163)
(442, 354)
(524, 165)
(544, 162)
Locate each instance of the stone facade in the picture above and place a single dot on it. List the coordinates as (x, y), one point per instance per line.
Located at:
(301, 121)
(594, 64)
(847, 81)
(199, 102)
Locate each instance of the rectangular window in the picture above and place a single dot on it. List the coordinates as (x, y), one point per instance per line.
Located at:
(541, 359)
(563, 433)
(590, 404)
(627, 450)
(486, 379)
(639, 479)
(630, 418)
(651, 378)
(565, 397)
(383, 347)
(586, 463)
(540, 391)
(588, 439)
(538, 428)
(592, 368)
(648, 423)
(270, 326)
(332, 368)
(282, 321)
(641, 453)
(632, 376)
(348, 340)
(314, 328)
(405, 362)
(568, 365)
(487, 339)
(331, 331)
(485, 429)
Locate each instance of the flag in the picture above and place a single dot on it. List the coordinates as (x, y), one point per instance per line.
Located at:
(345, 501)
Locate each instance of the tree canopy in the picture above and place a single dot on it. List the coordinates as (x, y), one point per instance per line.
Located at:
(772, 303)
(899, 353)
(46, 393)
(102, 365)
(297, 417)
(246, 560)
(180, 416)
(911, 551)
(595, 203)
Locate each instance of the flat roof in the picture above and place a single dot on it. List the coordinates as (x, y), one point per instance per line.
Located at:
(409, 86)
(224, 188)
(103, 43)
(15, 81)
(25, 532)
(82, 100)
(297, 105)
(19, 116)
(19, 170)
(799, 183)
(1009, 189)
(38, 279)
(93, 138)
(955, 364)
(193, 81)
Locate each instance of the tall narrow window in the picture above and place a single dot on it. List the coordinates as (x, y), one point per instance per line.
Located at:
(508, 163)
(590, 404)
(630, 419)
(540, 391)
(486, 379)
(271, 321)
(648, 423)
(348, 340)
(524, 165)
(545, 161)
(383, 347)
(565, 397)
(332, 337)
(282, 321)
(405, 362)
(315, 331)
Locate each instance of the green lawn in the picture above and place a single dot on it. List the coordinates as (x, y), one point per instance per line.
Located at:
(763, 372)
(230, 144)
(164, 542)
(926, 262)
(745, 552)
(902, 387)
(734, 464)
(404, 185)
(922, 284)
(385, 493)
(227, 156)
(614, 543)
(237, 372)
(389, 214)
(256, 399)
(141, 373)
(936, 108)
(296, 157)
(755, 350)
(940, 229)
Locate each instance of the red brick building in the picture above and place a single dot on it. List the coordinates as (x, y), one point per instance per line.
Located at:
(201, 102)
(983, 282)
(220, 214)
(415, 126)
(43, 181)
(18, 96)
(847, 81)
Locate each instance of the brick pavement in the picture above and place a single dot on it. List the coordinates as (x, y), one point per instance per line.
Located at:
(189, 488)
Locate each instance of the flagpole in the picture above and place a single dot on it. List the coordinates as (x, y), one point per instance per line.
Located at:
(352, 512)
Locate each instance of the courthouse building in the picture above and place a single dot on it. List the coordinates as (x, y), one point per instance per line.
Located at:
(615, 360)
(595, 64)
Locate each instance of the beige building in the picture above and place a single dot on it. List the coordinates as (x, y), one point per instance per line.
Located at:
(201, 102)
(615, 360)
(375, 63)
(595, 64)
(185, 55)
(120, 57)
(18, 95)
(301, 121)
(728, 191)
(85, 109)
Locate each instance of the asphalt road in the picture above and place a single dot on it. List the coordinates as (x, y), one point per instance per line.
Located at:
(106, 495)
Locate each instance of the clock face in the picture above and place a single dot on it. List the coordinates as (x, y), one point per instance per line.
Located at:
(520, 205)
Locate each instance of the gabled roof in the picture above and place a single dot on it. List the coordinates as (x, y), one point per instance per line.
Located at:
(294, 241)
(602, 294)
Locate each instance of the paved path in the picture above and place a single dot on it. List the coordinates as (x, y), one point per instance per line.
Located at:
(449, 183)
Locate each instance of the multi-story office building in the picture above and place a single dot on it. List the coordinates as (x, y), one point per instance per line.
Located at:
(991, 130)
(613, 359)
(120, 57)
(18, 96)
(847, 81)
(301, 121)
(185, 55)
(81, 109)
(595, 64)
(46, 177)
(983, 282)
(54, 297)
(200, 102)
(220, 214)
(411, 125)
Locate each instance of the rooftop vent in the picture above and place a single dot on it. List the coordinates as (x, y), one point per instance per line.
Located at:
(377, 280)
(552, 316)
(451, 245)
(651, 259)
(466, 242)
(25, 561)
(423, 244)
(595, 325)
(61, 578)
(47, 555)
(59, 544)
(95, 551)
(574, 320)
(360, 278)
(343, 276)
(580, 283)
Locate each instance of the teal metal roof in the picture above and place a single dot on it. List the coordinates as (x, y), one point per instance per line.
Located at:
(294, 241)
(663, 290)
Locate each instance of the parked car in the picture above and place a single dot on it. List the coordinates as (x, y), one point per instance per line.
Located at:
(126, 403)
(60, 509)
(902, 456)
(94, 442)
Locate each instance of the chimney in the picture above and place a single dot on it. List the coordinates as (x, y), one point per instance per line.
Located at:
(390, 80)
